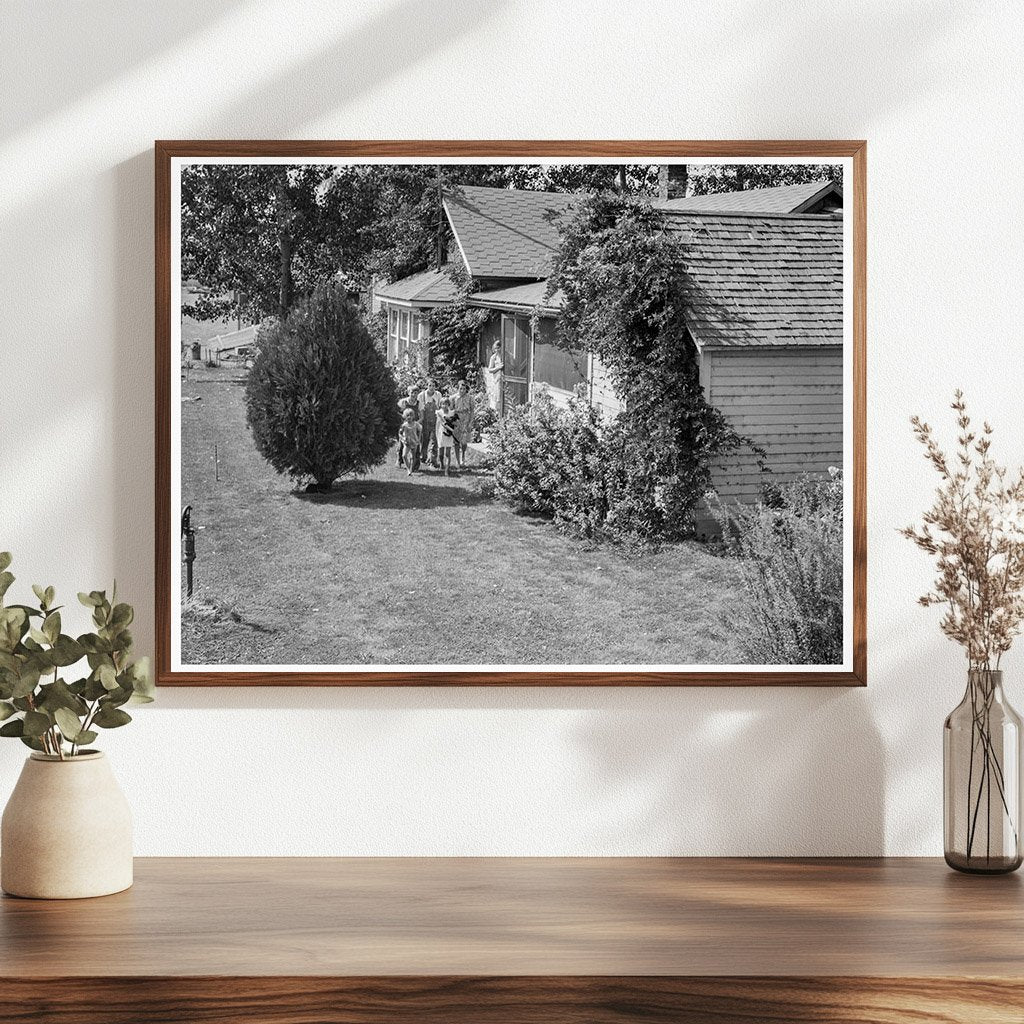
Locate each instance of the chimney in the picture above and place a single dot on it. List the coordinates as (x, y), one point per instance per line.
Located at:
(671, 181)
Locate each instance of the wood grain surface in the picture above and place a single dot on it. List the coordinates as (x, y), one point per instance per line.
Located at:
(504, 940)
(167, 518)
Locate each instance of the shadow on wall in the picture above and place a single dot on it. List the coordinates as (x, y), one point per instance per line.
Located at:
(332, 78)
(87, 46)
(745, 771)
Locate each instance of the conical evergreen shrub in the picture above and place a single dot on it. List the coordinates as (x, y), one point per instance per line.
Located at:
(320, 400)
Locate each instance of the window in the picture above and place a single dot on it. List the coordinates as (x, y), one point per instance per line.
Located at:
(403, 330)
(392, 334)
(555, 366)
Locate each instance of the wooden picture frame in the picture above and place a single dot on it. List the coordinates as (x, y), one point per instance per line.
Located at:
(853, 672)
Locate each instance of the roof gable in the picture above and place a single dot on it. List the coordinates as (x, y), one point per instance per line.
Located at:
(505, 233)
(760, 279)
(781, 199)
(431, 287)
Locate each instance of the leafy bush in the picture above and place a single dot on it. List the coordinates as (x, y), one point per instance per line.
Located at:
(569, 465)
(484, 417)
(54, 716)
(789, 551)
(319, 399)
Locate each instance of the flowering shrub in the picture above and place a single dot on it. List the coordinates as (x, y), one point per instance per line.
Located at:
(789, 550)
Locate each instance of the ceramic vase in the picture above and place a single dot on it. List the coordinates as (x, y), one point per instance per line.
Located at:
(66, 831)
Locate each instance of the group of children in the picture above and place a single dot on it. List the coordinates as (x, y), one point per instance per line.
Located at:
(432, 429)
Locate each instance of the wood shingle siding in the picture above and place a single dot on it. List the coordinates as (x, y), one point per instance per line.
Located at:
(789, 401)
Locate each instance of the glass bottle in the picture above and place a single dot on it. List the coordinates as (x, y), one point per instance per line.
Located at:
(981, 771)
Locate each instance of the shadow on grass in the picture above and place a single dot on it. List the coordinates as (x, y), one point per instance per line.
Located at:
(415, 492)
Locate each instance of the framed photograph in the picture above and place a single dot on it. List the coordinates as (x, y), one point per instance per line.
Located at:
(510, 413)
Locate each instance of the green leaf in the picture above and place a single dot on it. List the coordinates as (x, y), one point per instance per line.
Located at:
(107, 676)
(51, 626)
(122, 616)
(5, 560)
(86, 736)
(59, 695)
(13, 728)
(66, 651)
(123, 694)
(6, 579)
(40, 593)
(38, 636)
(36, 723)
(31, 741)
(89, 600)
(27, 681)
(13, 626)
(69, 724)
(94, 689)
(29, 611)
(110, 718)
(50, 595)
(6, 710)
(87, 641)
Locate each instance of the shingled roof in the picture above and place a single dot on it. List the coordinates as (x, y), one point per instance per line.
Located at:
(525, 297)
(429, 287)
(762, 279)
(781, 199)
(504, 232)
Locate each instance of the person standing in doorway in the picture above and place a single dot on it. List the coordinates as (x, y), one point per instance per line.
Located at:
(493, 377)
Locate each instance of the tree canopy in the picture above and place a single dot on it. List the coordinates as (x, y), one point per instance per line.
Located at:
(255, 237)
(705, 179)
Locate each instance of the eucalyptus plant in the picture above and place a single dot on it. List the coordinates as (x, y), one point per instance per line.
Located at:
(37, 704)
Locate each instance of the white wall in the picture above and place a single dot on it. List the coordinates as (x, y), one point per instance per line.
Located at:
(86, 87)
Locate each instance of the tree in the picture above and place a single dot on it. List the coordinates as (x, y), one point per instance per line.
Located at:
(256, 236)
(706, 179)
(320, 400)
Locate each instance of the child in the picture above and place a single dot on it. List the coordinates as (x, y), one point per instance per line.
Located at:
(409, 440)
(447, 417)
(411, 401)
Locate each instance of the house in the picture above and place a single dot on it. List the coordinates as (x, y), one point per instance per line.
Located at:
(765, 289)
(765, 312)
(810, 197)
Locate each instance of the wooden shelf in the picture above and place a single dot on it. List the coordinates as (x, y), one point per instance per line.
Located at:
(572, 941)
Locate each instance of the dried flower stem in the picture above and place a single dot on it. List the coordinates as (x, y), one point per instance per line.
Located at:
(975, 530)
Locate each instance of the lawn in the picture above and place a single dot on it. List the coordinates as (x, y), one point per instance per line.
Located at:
(392, 570)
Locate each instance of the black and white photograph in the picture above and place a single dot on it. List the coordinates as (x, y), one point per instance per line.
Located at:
(534, 414)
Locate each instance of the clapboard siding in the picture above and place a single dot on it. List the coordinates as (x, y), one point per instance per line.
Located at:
(790, 402)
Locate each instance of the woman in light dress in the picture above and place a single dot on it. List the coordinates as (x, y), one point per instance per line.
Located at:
(493, 377)
(464, 408)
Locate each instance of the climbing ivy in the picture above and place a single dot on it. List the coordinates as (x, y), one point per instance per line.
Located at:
(624, 299)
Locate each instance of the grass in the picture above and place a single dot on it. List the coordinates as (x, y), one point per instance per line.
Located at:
(390, 570)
